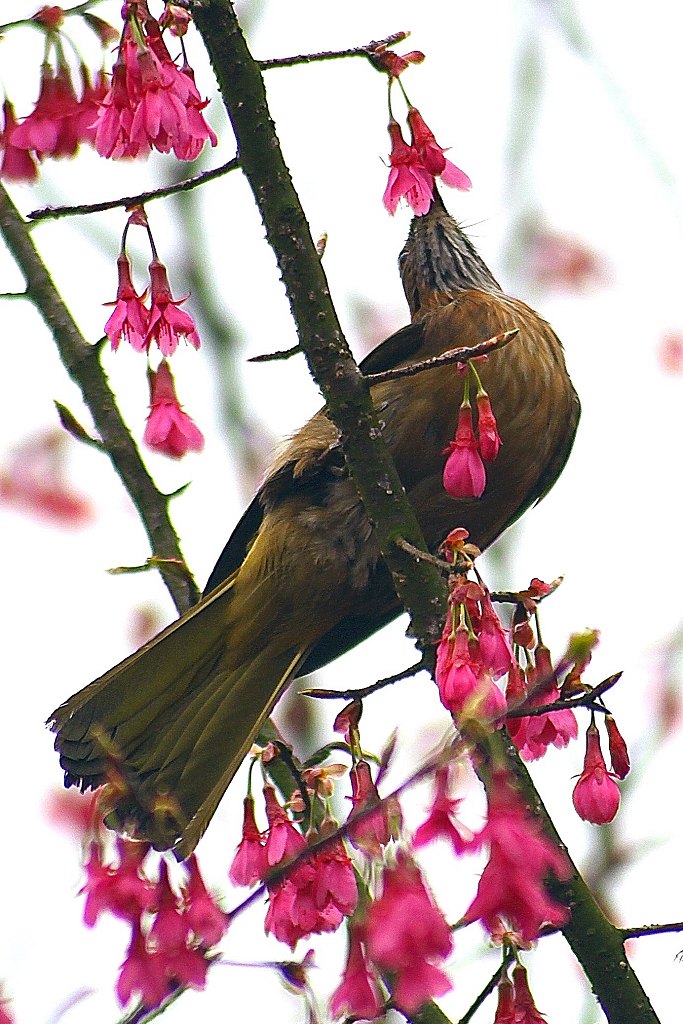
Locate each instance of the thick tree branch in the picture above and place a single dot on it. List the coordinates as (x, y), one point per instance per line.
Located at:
(82, 362)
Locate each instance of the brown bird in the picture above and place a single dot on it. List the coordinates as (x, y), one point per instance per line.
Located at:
(301, 579)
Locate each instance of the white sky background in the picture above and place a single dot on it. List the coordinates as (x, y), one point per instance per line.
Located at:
(611, 525)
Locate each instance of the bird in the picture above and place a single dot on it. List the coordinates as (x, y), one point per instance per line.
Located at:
(301, 579)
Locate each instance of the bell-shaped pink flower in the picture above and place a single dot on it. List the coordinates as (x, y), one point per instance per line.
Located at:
(618, 751)
(464, 475)
(357, 994)
(596, 795)
(130, 318)
(143, 974)
(249, 864)
(169, 430)
(432, 154)
(442, 822)
(487, 428)
(409, 179)
(372, 832)
(202, 913)
(17, 161)
(167, 322)
(407, 934)
(512, 885)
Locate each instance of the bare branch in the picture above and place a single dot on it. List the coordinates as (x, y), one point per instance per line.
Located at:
(53, 212)
(354, 51)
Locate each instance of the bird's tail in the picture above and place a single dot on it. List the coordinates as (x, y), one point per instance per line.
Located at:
(173, 722)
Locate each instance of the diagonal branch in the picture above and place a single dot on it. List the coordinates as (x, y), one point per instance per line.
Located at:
(82, 362)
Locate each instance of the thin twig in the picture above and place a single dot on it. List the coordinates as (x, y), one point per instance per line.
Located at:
(270, 357)
(424, 556)
(365, 691)
(487, 989)
(455, 355)
(353, 51)
(651, 929)
(53, 212)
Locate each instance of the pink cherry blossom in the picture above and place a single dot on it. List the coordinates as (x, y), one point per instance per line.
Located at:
(524, 1005)
(533, 735)
(314, 897)
(596, 795)
(202, 913)
(442, 822)
(283, 841)
(373, 831)
(464, 475)
(169, 430)
(151, 103)
(618, 752)
(120, 889)
(17, 162)
(130, 319)
(494, 643)
(432, 154)
(170, 930)
(409, 179)
(465, 687)
(143, 974)
(489, 439)
(512, 885)
(357, 994)
(167, 323)
(249, 865)
(51, 129)
(407, 934)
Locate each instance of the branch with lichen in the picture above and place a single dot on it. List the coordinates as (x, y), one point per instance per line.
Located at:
(83, 365)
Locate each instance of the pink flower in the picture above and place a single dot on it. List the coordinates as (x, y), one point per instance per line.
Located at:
(89, 106)
(169, 429)
(51, 129)
(533, 735)
(249, 864)
(442, 822)
(372, 833)
(464, 686)
(143, 973)
(559, 260)
(511, 886)
(202, 913)
(357, 995)
(524, 1005)
(167, 323)
(670, 352)
(489, 440)
(283, 841)
(151, 103)
(596, 795)
(432, 154)
(494, 644)
(34, 482)
(17, 162)
(505, 1010)
(130, 318)
(122, 889)
(392, 63)
(314, 897)
(464, 475)
(170, 930)
(618, 752)
(409, 179)
(407, 934)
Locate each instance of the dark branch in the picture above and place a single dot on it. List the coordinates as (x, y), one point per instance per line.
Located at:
(53, 212)
(354, 51)
(456, 355)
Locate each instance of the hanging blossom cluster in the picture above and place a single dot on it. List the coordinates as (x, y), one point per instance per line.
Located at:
(148, 103)
(413, 167)
(162, 324)
(173, 928)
